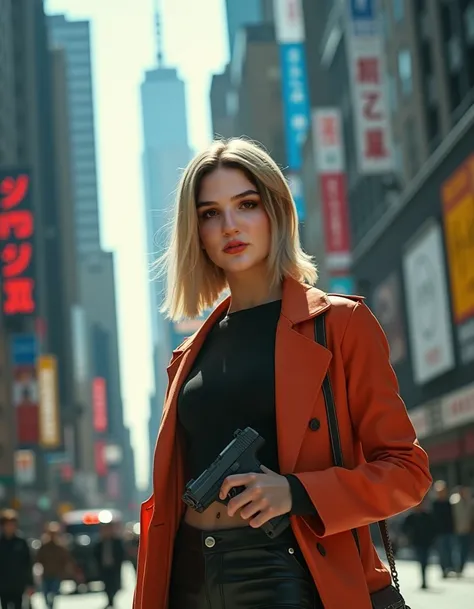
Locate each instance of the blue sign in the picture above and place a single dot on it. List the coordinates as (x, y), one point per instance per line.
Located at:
(295, 100)
(296, 187)
(362, 9)
(341, 285)
(24, 349)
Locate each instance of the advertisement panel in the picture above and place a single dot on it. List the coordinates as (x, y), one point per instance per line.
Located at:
(330, 166)
(427, 305)
(365, 56)
(289, 27)
(457, 194)
(388, 310)
(458, 407)
(49, 425)
(25, 402)
(17, 228)
(99, 404)
(100, 460)
(25, 467)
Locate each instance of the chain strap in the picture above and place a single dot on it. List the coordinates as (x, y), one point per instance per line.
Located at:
(387, 542)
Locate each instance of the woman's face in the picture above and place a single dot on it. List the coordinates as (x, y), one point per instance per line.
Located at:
(233, 225)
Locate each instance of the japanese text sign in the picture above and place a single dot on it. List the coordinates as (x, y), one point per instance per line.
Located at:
(365, 54)
(16, 245)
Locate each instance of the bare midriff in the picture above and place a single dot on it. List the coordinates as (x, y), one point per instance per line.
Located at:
(215, 517)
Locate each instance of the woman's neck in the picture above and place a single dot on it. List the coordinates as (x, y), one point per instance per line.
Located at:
(247, 292)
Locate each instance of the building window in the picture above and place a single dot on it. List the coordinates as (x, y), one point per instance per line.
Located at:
(405, 71)
(393, 93)
(398, 10)
(455, 54)
(469, 23)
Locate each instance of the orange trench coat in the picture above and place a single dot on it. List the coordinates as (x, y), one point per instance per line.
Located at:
(387, 471)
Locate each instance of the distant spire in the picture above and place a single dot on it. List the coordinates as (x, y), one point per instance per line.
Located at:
(159, 33)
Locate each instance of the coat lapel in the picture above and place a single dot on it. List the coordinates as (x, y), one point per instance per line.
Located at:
(178, 370)
(300, 367)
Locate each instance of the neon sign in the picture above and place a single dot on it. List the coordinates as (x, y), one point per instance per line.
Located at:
(16, 245)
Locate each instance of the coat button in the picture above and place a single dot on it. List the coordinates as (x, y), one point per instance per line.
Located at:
(210, 542)
(314, 424)
(321, 549)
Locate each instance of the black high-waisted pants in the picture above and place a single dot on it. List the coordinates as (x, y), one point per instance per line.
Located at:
(239, 568)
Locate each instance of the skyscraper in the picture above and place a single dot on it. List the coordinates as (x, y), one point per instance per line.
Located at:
(74, 38)
(165, 153)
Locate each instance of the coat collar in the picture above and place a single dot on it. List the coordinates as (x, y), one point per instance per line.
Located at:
(300, 302)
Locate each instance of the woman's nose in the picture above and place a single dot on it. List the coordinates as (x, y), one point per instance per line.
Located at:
(229, 223)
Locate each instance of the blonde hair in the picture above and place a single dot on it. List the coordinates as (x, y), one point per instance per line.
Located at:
(194, 282)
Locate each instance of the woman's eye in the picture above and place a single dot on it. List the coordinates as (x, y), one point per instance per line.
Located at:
(210, 213)
(249, 204)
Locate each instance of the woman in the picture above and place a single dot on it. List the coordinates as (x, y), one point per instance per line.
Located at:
(255, 363)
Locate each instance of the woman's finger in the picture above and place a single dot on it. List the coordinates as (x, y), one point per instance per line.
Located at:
(253, 508)
(235, 480)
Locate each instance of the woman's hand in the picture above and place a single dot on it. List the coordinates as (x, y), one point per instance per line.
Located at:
(266, 495)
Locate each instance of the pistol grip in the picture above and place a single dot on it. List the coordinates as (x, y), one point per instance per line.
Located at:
(276, 526)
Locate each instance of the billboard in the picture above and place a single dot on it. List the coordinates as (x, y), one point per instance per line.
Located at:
(365, 56)
(330, 167)
(289, 27)
(17, 228)
(49, 425)
(387, 309)
(99, 404)
(457, 194)
(25, 467)
(427, 305)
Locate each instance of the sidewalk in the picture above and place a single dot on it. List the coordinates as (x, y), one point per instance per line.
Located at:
(441, 593)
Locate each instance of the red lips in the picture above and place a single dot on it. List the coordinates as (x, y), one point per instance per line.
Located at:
(235, 247)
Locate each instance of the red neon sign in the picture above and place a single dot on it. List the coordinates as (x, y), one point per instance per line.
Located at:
(16, 245)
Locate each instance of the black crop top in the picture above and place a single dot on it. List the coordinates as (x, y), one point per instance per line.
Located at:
(232, 386)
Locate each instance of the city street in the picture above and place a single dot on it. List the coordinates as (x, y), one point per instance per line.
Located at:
(456, 592)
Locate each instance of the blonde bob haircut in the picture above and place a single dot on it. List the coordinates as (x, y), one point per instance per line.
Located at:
(194, 282)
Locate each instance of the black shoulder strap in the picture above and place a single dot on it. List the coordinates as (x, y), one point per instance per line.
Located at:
(336, 446)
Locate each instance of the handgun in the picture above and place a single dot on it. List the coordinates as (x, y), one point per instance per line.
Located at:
(238, 457)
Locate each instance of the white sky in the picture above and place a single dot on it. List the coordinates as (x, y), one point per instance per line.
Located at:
(123, 47)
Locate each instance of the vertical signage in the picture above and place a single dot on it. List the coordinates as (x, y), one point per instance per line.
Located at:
(16, 245)
(25, 467)
(49, 426)
(457, 194)
(330, 165)
(388, 310)
(365, 55)
(290, 36)
(101, 468)
(99, 404)
(25, 388)
(427, 306)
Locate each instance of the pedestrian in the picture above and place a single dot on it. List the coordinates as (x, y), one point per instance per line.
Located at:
(419, 527)
(56, 561)
(255, 362)
(109, 554)
(463, 515)
(444, 521)
(16, 568)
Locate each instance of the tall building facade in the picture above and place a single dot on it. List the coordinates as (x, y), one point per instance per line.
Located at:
(74, 38)
(410, 224)
(95, 270)
(165, 154)
(223, 96)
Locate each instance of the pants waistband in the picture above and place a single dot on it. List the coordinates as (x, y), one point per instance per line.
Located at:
(226, 540)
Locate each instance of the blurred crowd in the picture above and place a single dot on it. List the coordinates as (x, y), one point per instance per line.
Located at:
(441, 528)
(43, 565)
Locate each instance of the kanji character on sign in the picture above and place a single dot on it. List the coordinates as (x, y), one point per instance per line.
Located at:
(368, 70)
(294, 55)
(18, 296)
(297, 95)
(328, 131)
(299, 122)
(16, 258)
(13, 191)
(17, 223)
(375, 144)
(369, 103)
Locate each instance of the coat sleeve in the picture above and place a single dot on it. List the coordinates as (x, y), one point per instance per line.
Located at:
(394, 475)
